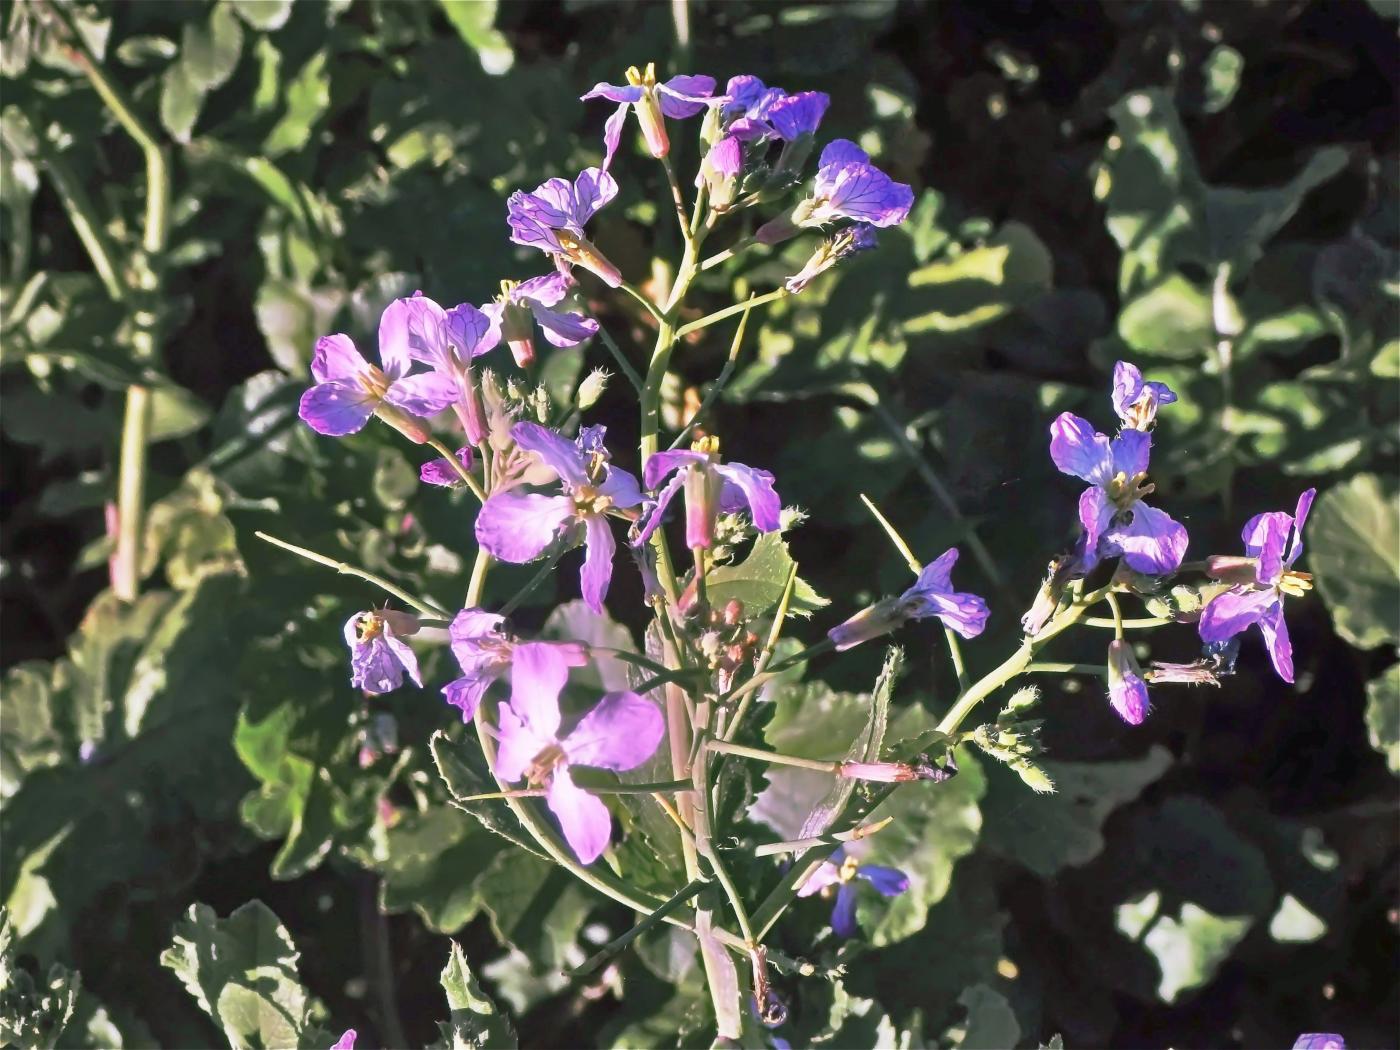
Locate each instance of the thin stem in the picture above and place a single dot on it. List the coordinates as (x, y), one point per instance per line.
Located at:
(81, 213)
(678, 197)
(1141, 623)
(729, 311)
(724, 747)
(761, 678)
(477, 584)
(736, 902)
(624, 365)
(618, 944)
(774, 632)
(915, 566)
(461, 471)
(346, 569)
(1049, 667)
(729, 253)
(712, 395)
(1112, 600)
(697, 555)
(647, 304)
(538, 578)
(773, 849)
(955, 654)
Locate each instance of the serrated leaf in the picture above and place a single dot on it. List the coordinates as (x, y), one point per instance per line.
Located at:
(463, 780)
(759, 580)
(475, 1022)
(1353, 548)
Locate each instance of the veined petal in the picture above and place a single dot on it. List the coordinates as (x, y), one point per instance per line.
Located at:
(1230, 613)
(530, 230)
(548, 289)
(757, 489)
(557, 452)
(843, 913)
(1095, 513)
(519, 527)
(658, 508)
(538, 671)
(685, 95)
(621, 487)
(937, 575)
(1079, 450)
(423, 395)
(1264, 537)
(888, 882)
(584, 820)
(564, 328)
(441, 472)
(473, 332)
(593, 188)
(840, 152)
(1152, 542)
(336, 408)
(1300, 515)
(1127, 388)
(596, 574)
(613, 93)
(1130, 452)
(465, 693)
(411, 329)
(405, 655)
(621, 732)
(517, 744)
(552, 202)
(798, 115)
(866, 193)
(612, 134)
(964, 613)
(1275, 631)
(662, 463)
(335, 357)
(477, 639)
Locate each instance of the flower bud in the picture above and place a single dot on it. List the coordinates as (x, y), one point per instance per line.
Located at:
(517, 330)
(702, 488)
(591, 389)
(1201, 672)
(1127, 691)
(881, 618)
(1047, 599)
(720, 171)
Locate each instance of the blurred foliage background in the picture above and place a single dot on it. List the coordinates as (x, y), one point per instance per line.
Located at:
(1206, 188)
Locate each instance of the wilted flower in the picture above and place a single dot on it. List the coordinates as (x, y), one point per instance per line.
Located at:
(1127, 691)
(710, 487)
(484, 650)
(619, 733)
(552, 217)
(441, 472)
(858, 238)
(931, 595)
(521, 305)
(1269, 578)
(1136, 401)
(1198, 672)
(680, 97)
(847, 186)
(1115, 519)
(519, 527)
(841, 871)
(378, 654)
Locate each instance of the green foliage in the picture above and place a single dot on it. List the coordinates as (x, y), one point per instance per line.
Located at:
(1355, 537)
(475, 1022)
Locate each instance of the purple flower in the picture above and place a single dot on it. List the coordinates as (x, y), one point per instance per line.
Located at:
(1320, 1041)
(680, 97)
(710, 488)
(378, 654)
(519, 527)
(441, 472)
(1265, 577)
(931, 595)
(1136, 401)
(720, 171)
(1127, 691)
(349, 389)
(841, 871)
(619, 733)
(796, 115)
(346, 1041)
(748, 101)
(853, 239)
(552, 217)
(847, 186)
(1115, 519)
(484, 650)
(523, 305)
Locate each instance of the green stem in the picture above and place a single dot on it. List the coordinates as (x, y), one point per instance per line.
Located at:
(774, 632)
(618, 944)
(712, 395)
(955, 654)
(538, 578)
(346, 569)
(622, 363)
(461, 471)
(678, 197)
(1050, 667)
(477, 584)
(1138, 624)
(772, 849)
(1112, 600)
(761, 678)
(728, 253)
(81, 214)
(729, 311)
(646, 303)
(724, 747)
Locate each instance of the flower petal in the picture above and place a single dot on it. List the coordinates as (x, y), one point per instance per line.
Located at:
(1130, 452)
(662, 463)
(403, 652)
(564, 328)
(557, 452)
(964, 613)
(441, 472)
(1275, 631)
(423, 395)
(840, 152)
(1230, 613)
(597, 569)
(519, 527)
(888, 882)
(1079, 450)
(471, 331)
(335, 357)
(757, 489)
(410, 329)
(1128, 695)
(685, 95)
(613, 93)
(621, 487)
(538, 671)
(937, 575)
(1095, 513)
(621, 732)
(465, 693)
(658, 508)
(828, 874)
(548, 289)
(866, 193)
(516, 744)
(843, 913)
(1264, 536)
(1127, 387)
(799, 114)
(1300, 515)
(612, 135)
(477, 639)
(1152, 542)
(583, 818)
(336, 408)
(593, 188)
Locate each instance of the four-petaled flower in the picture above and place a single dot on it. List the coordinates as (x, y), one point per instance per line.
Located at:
(841, 871)
(680, 97)
(1115, 519)
(1263, 578)
(619, 733)
(484, 650)
(519, 527)
(349, 389)
(931, 595)
(524, 304)
(378, 654)
(1127, 690)
(710, 487)
(1136, 401)
(552, 216)
(448, 340)
(847, 186)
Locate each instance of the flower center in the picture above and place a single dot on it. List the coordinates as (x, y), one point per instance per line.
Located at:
(588, 500)
(1295, 583)
(374, 382)
(848, 869)
(369, 627)
(544, 764)
(642, 78)
(1125, 491)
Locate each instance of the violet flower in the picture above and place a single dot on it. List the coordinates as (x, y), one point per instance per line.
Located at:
(552, 216)
(1263, 579)
(847, 186)
(519, 527)
(720, 171)
(349, 389)
(931, 595)
(1115, 520)
(1320, 1041)
(710, 488)
(441, 472)
(796, 118)
(346, 1040)
(747, 103)
(841, 871)
(1127, 690)
(484, 649)
(378, 654)
(1136, 401)
(853, 239)
(619, 733)
(524, 304)
(680, 97)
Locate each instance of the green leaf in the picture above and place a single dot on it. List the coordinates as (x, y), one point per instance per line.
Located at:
(536, 906)
(1189, 948)
(434, 859)
(475, 1022)
(1293, 923)
(1383, 715)
(1187, 849)
(991, 1023)
(1222, 69)
(463, 778)
(981, 284)
(1171, 319)
(242, 971)
(1353, 540)
(266, 15)
(758, 581)
(475, 22)
(34, 1013)
(308, 98)
(209, 52)
(1063, 830)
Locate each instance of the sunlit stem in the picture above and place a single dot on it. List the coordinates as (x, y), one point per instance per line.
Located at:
(773, 849)
(774, 758)
(619, 944)
(763, 677)
(774, 633)
(622, 363)
(1050, 667)
(1112, 600)
(678, 197)
(1139, 624)
(346, 569)
(717, 387)
(462, 472)
(729, 311)
(647, 304)
(899, 544)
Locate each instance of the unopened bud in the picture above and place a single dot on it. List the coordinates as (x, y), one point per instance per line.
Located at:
(591, 389)
(883, 772)
(733, 611)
